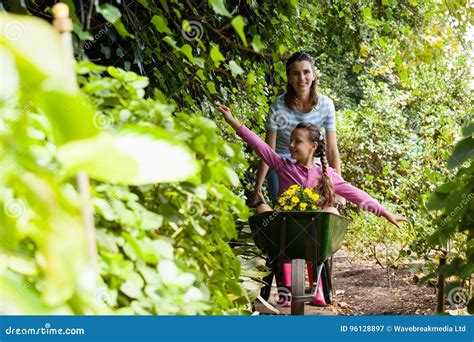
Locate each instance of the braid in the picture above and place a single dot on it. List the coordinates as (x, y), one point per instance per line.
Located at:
(325, 183)
(324, 188)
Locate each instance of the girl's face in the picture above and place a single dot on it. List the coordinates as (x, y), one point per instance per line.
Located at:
(301, 76)
(301, 147)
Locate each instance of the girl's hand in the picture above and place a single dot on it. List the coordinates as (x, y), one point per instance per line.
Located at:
(225, 111)
(227, 114)
(256, 197)
(394, 219)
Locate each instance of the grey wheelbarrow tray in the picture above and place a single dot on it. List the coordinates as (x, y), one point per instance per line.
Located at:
(299, 237)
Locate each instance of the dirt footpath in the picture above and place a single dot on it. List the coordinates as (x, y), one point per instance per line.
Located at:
(364, 288)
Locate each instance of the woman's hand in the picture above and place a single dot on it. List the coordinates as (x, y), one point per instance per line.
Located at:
(394, 219)
(227, 114)
(341, 201)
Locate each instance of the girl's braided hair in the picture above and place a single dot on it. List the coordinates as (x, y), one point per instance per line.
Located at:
(324, 188)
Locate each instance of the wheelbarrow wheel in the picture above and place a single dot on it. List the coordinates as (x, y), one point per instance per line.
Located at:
(326, 278)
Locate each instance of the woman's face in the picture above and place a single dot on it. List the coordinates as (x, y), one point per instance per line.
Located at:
(301, 76)
(301, 147)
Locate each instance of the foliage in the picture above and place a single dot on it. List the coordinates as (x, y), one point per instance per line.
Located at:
(45, 266)
(192, 217)
(396, 70)
(455, 201)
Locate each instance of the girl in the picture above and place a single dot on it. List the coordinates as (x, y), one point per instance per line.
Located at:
(305, 144)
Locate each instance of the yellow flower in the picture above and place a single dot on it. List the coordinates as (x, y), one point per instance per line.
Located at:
(315, 197)
(314, 207)
(303, 206)
(308, 192)
(287, 207)
(281, 200)
(295, 199)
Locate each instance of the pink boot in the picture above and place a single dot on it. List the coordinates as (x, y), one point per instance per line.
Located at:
(318, 299)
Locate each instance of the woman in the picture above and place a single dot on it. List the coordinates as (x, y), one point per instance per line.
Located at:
(300, 103)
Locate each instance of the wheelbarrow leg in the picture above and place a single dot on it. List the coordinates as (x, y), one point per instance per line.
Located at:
(326, 278)
(297, 285)
(268, 280)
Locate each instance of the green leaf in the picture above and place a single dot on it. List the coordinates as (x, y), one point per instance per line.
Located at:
(150, 220)
(238, 23)
(282, 49)
(257, 43)
(404, 75)
(235, 68)
(463, 151)
(133, 286)
(468, 129)
(233, 177)
(163, 248)
(22, 265)
(112, 14)
(45, 59)
(74, 123)
(161, 24)
(436, 201)
(9, 85)
(29, 302)
(187, 50)
(219, 7)
(83, 35)
(171, 42)
(211, 87)
(367, 12)
(132, 156)
(216, 55)
(104, 208)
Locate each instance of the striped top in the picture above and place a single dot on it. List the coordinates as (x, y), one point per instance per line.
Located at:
(282, 120)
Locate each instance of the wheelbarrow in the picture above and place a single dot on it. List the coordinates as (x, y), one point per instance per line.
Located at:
(299, 237)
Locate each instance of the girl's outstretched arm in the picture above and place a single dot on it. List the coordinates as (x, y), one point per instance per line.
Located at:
(363, 199)
(258, 145)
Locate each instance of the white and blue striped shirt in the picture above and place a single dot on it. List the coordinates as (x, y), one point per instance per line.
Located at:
(283, 120)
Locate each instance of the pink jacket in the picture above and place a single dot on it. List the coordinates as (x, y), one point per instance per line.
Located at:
(290, 173)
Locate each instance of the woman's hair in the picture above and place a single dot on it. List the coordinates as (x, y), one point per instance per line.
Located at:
(324, 187)
(291, 100)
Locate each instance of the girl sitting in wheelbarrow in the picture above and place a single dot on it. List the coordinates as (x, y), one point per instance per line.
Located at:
(305, 145)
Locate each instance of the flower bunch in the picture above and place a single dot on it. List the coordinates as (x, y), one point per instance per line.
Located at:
(298, 198)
